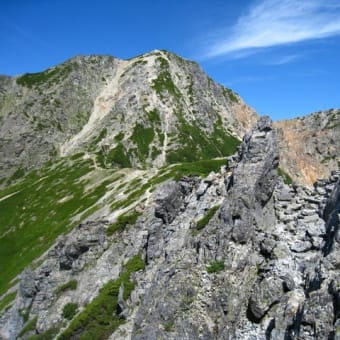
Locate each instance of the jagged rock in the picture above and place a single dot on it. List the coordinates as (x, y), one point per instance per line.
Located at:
(27, 284)
(319, 306)
(265, 294)
(168, 201)
(253, 180)
(331, 216)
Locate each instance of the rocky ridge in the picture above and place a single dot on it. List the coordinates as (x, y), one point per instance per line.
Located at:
(237, 255)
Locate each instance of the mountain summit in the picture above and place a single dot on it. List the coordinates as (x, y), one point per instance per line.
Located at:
(151, 110)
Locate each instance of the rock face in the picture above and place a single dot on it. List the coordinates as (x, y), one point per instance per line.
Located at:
(125, 113)
(237, 255)
(309, 146)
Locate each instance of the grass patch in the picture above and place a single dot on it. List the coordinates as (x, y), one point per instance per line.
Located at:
(70, 285)
(50, 76)
(195, 144)
(163, 83)
(19, 173)
(215, 267)
(206, 218)
(100, 318)
(30, 326)
(176, 172)
(118, 157)
(6, 300)
(286, 178)
(142, 136)
(122, 222)
(230, 94)
(96, 140)
(36, 214)
(70, 310)
(154, 116)
(48, 335)
(169, 326)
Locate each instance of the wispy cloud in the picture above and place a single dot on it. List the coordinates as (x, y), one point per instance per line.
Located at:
(284, 60)
(277, 22)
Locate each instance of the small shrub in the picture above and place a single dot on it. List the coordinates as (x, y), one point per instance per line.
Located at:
(286, 178)
(122, 222)
(70, 285)
(215, 267)
(70, 310)
(169, 326)
(206, 218)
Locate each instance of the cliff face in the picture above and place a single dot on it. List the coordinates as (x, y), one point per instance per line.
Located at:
(310, 146)
(235, 255)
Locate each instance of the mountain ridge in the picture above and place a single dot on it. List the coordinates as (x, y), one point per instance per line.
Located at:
(132, 210)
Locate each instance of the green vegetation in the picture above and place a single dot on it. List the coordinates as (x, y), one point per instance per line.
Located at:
(38, 209)
(96, 140)
(49, 77)
(6, 300)
(30, 326)
(142, 136)
(70, 285)
(122, 222)
(169, 326)
(215, 267)
(70, 310)
(119, 137)
(154, 116)
(177, 171)
(101, 317)
(48, 335)
(286, 178)
(19, 173)
(139, 62)
(196, 144)
(118, 157)
(230, 94)
(163, 83)
(206, 218)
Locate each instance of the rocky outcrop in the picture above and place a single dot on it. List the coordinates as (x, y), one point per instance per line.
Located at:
(309, 146)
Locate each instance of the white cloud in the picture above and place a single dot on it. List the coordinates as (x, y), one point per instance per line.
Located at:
(284, 60)
(277, 22)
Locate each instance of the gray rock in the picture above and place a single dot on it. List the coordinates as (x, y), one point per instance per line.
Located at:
(28, 288)
(168, 201)
(265, 294)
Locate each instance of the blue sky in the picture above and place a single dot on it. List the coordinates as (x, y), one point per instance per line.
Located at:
(281, 56)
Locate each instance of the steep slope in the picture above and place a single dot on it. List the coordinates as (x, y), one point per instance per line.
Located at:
(127, 113)
(236, 255)
(309, 146)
